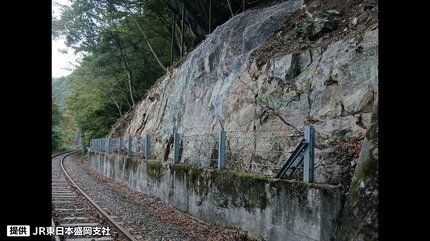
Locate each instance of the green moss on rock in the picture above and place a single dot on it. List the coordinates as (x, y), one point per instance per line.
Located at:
(361, 206)
(372, 133)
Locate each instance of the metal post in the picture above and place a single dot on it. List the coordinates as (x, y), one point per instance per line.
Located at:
(244, 5)
(120, 145)
(221, 150)
(176, 146)
(308, 165)
(182, 31)
(130, 145)
(147, 147)
(109, 145)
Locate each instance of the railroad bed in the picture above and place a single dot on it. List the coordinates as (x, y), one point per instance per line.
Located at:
(137, 215)
(80, 219)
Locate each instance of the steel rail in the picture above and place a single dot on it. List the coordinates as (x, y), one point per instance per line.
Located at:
(127, 235)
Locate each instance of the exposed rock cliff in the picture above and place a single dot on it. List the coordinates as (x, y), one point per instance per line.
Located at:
(359, 218)
(281, 68)
(225, 83)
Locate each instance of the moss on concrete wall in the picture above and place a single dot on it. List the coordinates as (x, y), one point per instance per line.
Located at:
(131, 163)
(242, 189)
(238, 189)
(155, 170)
(253, 202)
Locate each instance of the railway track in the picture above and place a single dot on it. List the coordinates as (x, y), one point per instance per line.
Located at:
(79, 216)
(84, 198)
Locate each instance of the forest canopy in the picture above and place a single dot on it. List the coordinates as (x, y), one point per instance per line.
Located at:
(126, 46)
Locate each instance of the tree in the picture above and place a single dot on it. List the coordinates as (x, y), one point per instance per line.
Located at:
(125, 46)
(56, 131)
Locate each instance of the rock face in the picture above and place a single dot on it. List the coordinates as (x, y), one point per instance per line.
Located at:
(222, 85)
(359, 219)
(226, 83)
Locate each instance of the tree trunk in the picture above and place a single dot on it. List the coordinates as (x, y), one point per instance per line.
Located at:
(126, 67)
(197, 27)
(150, 46)
(210, 16)
(229, 7)
(107, 91)
(116, 104)
(182, 30)
(172, 45)
(123, 91)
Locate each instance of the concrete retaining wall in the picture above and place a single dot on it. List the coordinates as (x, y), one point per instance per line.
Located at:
(269, 209)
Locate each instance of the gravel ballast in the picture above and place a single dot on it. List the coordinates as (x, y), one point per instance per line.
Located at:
(144, 215)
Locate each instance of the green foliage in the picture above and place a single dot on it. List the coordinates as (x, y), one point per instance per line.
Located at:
(63, 130)
(60, 87)
(56, 132)
(118, 66)
(56, 116)
(93, 115)
(56, 135)
(125, 46)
